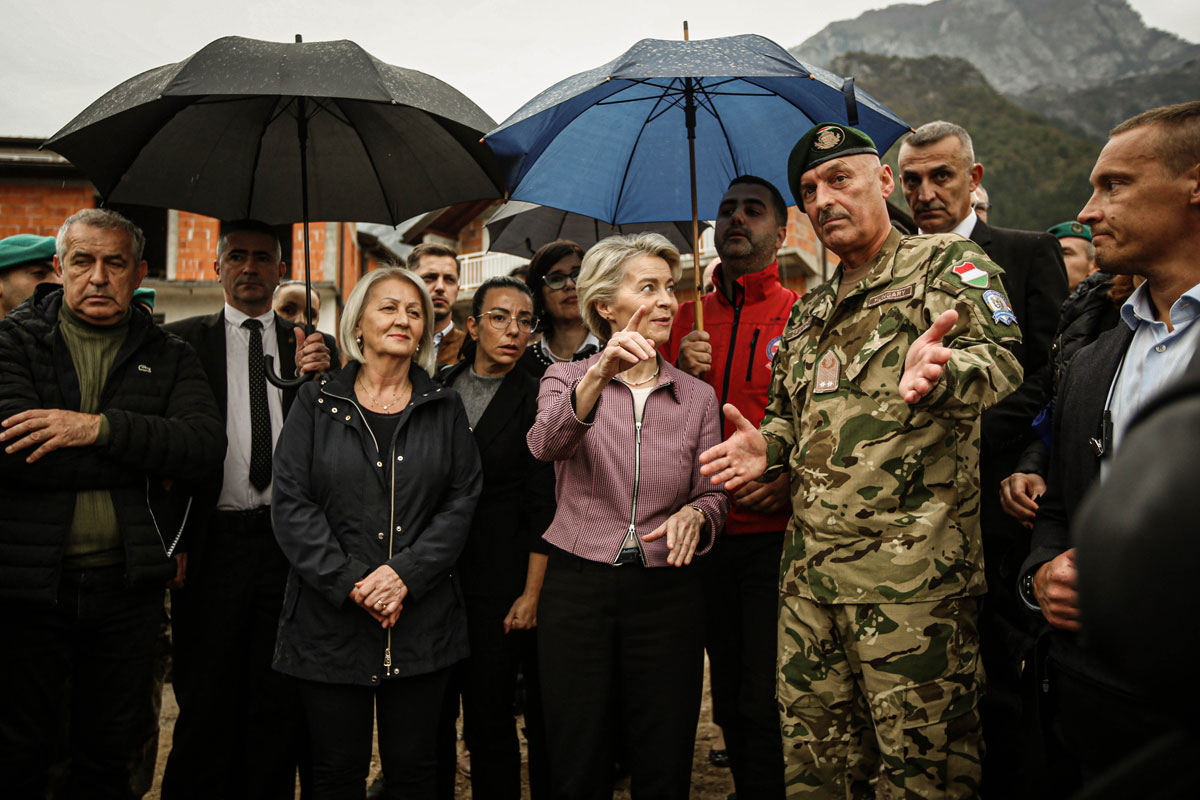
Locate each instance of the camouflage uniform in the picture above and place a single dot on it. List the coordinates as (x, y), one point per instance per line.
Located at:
(882, 564)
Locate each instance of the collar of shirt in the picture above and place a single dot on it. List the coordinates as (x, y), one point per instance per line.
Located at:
(235, 318)
(964, 228)
(1155, 356)
(1138, 309)
(591, 341)
(437, 337)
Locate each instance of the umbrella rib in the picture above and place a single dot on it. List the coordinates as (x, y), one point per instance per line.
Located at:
(712, 109)
(625, 174)
(378, 178)
(274, 115)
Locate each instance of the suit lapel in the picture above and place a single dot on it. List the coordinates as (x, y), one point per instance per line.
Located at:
(981, 235)
(211, 349)
(1112, 347)
(286, 338)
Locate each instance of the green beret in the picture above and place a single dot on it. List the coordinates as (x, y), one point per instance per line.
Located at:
(823, 142)
(1064, 229)
(24, 248)
(145, 297)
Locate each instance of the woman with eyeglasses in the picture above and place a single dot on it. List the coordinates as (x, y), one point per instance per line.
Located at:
(553, 278)
(505, 558)
(621, 640)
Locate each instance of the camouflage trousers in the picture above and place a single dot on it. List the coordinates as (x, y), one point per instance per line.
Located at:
(880, 698)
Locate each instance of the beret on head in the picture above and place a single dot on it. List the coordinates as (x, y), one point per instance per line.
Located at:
(824, 142)
(24, 248)
(1064, 229)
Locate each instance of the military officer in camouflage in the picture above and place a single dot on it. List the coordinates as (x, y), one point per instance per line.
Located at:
(875, 404)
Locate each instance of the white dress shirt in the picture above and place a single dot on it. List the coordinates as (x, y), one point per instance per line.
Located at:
(964, 228)
(437, 337)
(237, 493)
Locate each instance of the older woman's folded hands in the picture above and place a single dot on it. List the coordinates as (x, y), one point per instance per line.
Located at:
(682, 529)
(381, 594)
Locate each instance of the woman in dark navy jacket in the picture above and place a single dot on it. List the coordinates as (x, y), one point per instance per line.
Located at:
(376, 480)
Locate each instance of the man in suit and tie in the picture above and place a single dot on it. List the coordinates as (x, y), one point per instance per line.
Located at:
(1144, 215)
(238, 732)
(938, 174)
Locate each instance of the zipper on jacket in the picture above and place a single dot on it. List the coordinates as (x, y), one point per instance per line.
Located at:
(737, 313)
(753, 346)
(637, 480)
(387, 650)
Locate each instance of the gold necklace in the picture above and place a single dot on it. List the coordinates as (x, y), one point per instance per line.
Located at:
(375, 399)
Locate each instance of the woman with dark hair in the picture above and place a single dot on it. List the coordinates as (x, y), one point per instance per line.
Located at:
(621, 641)
(553, 278)
(505, 558)
(376, 480)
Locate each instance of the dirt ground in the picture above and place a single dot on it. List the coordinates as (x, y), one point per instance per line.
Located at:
(708, 782)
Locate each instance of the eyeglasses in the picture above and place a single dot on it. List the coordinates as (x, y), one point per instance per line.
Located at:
(500, 320)
(983, 206)
(558, 280)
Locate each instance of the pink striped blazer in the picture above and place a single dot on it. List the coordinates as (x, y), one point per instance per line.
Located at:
(595, 461)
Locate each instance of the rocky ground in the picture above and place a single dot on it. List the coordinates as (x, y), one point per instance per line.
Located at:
(708, 782)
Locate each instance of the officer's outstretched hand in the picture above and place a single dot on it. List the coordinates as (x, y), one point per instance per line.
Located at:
(739, 459)
(923, 364)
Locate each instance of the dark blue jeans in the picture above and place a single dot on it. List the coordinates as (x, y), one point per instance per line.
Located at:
(100, 635)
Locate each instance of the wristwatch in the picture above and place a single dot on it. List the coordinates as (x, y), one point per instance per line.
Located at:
(1026, 591)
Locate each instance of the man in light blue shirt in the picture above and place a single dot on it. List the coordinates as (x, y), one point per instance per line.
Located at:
(1144, 215)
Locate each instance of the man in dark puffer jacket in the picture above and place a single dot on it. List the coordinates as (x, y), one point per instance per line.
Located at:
(100, 412)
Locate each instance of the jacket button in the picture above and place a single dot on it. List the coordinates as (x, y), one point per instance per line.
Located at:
(397, 529)
(320, 399)
(399, 458)
(374, 679)
(347, 418)
(334, 409)
(395, 670)
(380, 535)
(377, 463)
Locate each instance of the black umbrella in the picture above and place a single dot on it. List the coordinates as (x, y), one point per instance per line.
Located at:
(521, 228)
(284, 133)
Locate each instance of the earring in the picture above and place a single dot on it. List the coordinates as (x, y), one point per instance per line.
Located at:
(358, 341)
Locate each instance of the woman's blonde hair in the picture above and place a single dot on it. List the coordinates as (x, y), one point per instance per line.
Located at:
(603, 272)
(356, 304)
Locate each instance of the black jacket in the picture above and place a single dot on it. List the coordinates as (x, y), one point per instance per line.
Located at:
(517, 503)
(1074, 468)
(1035, 280)
(1086, 314)
(206, 333)
(163, 425)
(342, 507)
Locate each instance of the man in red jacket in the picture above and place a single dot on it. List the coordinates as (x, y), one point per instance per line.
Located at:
(743, 321)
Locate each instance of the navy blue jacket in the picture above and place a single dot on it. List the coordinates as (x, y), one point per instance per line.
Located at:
(343, 506)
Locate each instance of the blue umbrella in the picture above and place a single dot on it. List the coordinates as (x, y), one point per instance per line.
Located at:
(613, 142)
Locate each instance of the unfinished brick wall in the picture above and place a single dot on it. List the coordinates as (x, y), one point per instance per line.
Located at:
(39, 207)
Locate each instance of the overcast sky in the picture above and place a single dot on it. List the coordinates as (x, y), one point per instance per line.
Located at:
(60, 55)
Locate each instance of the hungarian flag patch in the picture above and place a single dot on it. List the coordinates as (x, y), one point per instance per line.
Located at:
(971, 275)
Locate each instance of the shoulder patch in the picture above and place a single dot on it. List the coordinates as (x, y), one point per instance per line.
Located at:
(971, 275)
(1001, 310)
(890, 295)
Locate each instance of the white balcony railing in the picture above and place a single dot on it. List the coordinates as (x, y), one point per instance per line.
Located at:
(478, 267)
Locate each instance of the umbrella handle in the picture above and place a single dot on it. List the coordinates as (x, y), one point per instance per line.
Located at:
(284, 383)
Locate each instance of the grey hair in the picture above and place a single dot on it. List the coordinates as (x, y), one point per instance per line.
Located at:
(933, 132)
(603, 272)
(356, 304)
(104, 218)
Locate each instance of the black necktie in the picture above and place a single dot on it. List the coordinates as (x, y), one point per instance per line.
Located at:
(260, 413)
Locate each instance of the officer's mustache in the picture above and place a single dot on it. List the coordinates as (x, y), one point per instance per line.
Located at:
(920, 208)
(829, 214)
